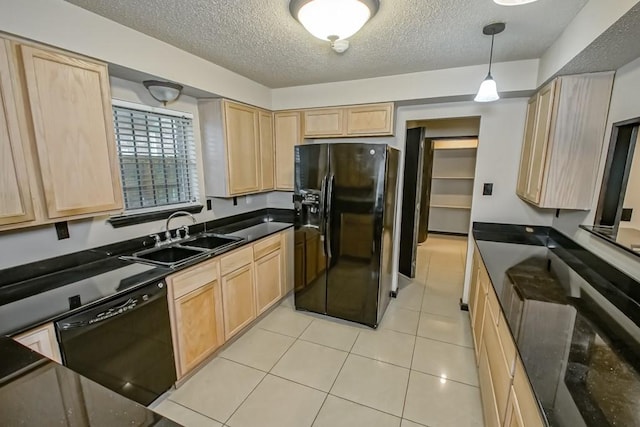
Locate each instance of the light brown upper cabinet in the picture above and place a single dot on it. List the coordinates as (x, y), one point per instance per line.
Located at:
(267, 151)
(324, 122)
(357, 120)
(375, 119)
(15, 194)
(563, 140)
(288, 133)
(70, 104)
(59, 158)
(231, 148)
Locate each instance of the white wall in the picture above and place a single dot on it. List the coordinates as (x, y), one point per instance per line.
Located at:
(464, 81)
(625, 104)
(70, 27)
(498, 158)
(594, 19)
(33, 244)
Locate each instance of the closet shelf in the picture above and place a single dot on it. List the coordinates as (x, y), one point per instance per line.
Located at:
(449, 207)
(453, 177)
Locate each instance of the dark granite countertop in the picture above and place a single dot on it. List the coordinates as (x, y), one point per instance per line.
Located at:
(40, 292)
(575, 323)
(35, 391)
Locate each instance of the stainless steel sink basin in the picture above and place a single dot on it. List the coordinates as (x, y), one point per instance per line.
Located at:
(210, 241)
(185, 251)
(169, 256)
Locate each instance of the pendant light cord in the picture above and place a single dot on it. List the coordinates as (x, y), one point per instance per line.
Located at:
(491, 54)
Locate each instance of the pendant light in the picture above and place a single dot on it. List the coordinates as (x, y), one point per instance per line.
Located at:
(334, 20)
(488, 90)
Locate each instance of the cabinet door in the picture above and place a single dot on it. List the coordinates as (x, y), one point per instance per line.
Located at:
(489, 408)
(198, 318)
(514, 417)
(242, 144)
(268, 280)
(375, 119)
(481, 308)
(288, 133)
(540, 141)
(267, 152)
(15, 195)
(527, 145)
(43, 340)
(238, 301)
(324, 122)
(71, 111)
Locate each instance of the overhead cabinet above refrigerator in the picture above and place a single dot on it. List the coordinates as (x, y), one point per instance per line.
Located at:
(345, 197)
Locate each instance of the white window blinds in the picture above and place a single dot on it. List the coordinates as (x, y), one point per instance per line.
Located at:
(157, 158)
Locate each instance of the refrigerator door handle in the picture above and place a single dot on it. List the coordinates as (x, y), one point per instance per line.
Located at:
(328, 216)
(323, 202)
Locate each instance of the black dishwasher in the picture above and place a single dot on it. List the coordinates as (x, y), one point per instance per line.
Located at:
(123, 344)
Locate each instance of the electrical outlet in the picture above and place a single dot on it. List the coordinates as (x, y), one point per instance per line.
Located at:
(62, 230)
(487, 189)
(626, 214)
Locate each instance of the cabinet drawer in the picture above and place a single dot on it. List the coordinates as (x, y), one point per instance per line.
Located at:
(526, 400)
(500, 372)
(266, 246)
(189, 280)
(235, 260)
(43, 340)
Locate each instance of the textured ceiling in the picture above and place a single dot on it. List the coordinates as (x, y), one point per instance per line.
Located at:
(259, 39)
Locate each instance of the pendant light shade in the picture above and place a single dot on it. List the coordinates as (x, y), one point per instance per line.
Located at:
(164, 92)
(488, 91)
(333, 20)
(512, 2)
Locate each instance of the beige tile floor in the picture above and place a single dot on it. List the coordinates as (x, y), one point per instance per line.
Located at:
(298, 369)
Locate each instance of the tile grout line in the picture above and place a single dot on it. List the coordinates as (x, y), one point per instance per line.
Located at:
(192, 410)
(406, 391)
(260, 382)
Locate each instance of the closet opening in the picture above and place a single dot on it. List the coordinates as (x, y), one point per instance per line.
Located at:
(439, 172)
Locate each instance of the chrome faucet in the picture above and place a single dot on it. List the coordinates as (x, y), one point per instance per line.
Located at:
(167, 233)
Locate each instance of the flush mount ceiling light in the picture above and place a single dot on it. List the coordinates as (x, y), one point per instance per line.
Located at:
(488, 91)
(334, 20)
(512, 2)
(164, 92)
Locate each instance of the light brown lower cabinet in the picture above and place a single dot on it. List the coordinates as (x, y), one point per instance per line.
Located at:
(269, 273)
(238, 291)
(507, 398)
(42, 340)
(196, 314)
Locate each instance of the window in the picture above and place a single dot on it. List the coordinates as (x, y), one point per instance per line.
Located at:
(157, 156)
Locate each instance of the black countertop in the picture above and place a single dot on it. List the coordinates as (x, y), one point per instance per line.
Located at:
(35, 391)
(575, 323)
(39, 293)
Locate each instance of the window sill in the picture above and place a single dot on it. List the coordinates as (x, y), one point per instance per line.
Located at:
(140, 218)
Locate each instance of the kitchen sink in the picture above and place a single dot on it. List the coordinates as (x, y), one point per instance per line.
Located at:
(210, 241)
(185, 251)
(170, 256)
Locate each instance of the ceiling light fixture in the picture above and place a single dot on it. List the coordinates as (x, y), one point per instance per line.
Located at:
(513, 2)
(164, 92)
(488, 91)
(334, 20)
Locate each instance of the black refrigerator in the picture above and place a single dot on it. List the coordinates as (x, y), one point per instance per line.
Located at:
(345, 200)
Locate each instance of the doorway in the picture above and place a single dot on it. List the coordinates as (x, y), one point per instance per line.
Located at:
(440, 159)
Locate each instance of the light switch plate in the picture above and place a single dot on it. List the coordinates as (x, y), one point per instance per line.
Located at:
(487, 189)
